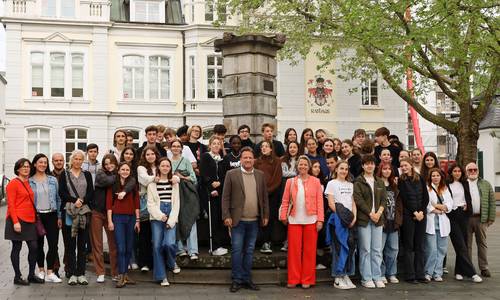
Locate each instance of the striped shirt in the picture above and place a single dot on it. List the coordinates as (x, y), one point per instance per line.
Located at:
(164, 190)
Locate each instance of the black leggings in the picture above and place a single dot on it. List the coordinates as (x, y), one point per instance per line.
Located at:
(49, 221)
(32, 253)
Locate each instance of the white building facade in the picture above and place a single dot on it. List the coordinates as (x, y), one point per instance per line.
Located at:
(80, 69)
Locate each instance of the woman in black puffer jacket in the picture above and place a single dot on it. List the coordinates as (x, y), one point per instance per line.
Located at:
(413, 193)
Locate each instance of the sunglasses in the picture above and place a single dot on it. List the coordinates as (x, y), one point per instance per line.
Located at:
(472, 170)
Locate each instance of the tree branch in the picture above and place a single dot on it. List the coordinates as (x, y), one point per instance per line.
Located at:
(490, 92)
(440, 121)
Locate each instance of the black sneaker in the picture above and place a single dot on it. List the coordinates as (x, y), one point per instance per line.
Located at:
(35, 279)
(21, 281)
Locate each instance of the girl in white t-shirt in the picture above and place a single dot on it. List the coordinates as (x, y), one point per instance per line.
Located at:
(340, 190)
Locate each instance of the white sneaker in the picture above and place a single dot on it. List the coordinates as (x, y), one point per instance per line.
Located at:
(82, 280)
(145, 269)
(348, 282)
(393, 279)
(476, 279)
(53, 278)
(165, 282)
(219, 251)
(100, 279)
(459, 277)
(384, 280)
(181, 253)
(193, 256)
(438, 279)
(115, 278)
(41, 275)
(428, 278)
(176, 269)
(368, 284)
(72, 280)
(379, 284)
(134, 266)
(320, 267)
(340, 284)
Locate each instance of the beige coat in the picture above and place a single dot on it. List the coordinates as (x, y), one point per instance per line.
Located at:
(154, 204)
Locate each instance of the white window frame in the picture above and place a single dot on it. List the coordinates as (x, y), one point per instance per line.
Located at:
(135, 68)
(146, 52)
(73, 65)
(46, 49)
(215, 67)
(160, 9)
(51, 65)
(158, 69)
(211, 9)
(367, 85)
(38, 140)
(58, 9)
(31, 72)
(75, 140)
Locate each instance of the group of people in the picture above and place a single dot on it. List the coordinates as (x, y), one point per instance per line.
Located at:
(359, 200)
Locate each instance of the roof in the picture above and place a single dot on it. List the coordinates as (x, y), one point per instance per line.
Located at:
(492, 118)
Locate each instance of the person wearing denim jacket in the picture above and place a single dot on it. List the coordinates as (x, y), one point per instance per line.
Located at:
(48, 206)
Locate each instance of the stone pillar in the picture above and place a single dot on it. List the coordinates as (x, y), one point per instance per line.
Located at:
(249, 80)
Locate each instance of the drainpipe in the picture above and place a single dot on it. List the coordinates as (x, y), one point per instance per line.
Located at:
(183, 77)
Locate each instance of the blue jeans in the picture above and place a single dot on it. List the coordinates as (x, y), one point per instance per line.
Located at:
(390, 246)
(243, 239)
(191, 243)
(370, 251)
(164, 247)
(124, 237)
(435, 251)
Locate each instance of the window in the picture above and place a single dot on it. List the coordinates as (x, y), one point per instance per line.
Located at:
(369, 92)
(77, 75)
(192, 73)
(135, 135)
(49, 8)
(214, 77)
(38, 141)
(57, 74)
(159, 77)
(56, 8)
(133, 77)
(76, 138)
(151, 11)
(209, 10)
(67, 8)
(37, 74)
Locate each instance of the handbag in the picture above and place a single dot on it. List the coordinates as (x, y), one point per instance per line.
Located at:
(40, 229)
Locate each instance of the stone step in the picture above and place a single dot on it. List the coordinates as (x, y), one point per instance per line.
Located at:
(223, 276)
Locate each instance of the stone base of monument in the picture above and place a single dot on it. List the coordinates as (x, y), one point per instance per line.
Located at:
(208, 269)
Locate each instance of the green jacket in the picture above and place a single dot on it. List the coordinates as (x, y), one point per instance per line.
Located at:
(488, 202)
(363, 199)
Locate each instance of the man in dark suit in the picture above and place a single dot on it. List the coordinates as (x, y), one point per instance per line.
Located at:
(245, 204)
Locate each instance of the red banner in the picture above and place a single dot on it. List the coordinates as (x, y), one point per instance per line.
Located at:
(413, 112)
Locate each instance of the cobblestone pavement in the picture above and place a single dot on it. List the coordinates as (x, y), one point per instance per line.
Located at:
(450, 289)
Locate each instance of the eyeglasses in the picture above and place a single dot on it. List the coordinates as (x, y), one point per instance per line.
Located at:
(471, 170)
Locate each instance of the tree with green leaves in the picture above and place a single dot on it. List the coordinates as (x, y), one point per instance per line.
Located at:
(451, 45)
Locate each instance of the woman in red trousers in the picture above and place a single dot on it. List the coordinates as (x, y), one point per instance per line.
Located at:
(305, 196)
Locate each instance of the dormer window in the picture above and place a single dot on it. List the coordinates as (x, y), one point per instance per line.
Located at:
(147, 11)
(58, 8)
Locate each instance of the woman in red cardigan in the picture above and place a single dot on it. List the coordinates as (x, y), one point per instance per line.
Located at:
(20, 221)
(305, 196)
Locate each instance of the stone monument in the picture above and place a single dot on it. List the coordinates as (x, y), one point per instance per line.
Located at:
(249, 80)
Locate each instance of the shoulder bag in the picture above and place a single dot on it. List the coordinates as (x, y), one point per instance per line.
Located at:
(40, 229)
